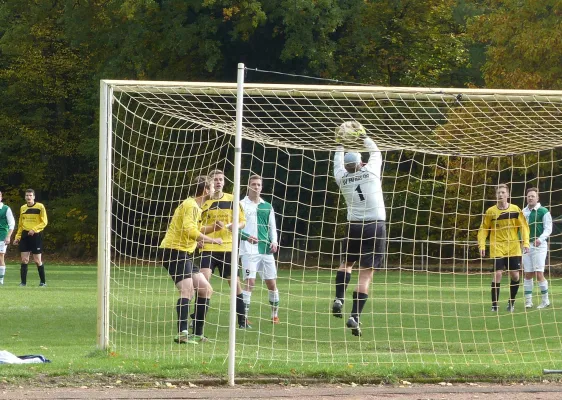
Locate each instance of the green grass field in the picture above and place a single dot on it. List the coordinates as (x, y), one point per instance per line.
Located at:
(416, 326)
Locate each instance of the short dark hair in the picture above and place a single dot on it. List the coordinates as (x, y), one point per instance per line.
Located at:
(533, 189)
(30, 191)
(200, 183)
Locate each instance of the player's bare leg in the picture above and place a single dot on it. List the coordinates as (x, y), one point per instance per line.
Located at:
(343, 276)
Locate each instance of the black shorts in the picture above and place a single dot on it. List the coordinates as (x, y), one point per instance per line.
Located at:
(31, 244)
(179, 264)
(507, 263)
(221, 260)
(366, 243)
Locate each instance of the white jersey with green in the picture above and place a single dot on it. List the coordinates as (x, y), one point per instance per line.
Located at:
(362, 190)
(7, 220)
(260, 222)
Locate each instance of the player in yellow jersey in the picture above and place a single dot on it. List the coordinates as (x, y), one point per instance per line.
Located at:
(178, 247)
(32, 221)
(507, 228)
(216, 219)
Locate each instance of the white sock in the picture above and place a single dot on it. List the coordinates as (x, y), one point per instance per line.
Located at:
(247, 297)
(2, 273)
(528, 288)
(543, 285)
(274, 301)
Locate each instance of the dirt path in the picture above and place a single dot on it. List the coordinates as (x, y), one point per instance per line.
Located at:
(482, 391)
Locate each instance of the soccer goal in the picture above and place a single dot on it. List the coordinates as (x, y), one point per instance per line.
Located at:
(444, 151)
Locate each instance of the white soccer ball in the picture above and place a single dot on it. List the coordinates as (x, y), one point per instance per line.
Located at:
(349, 131)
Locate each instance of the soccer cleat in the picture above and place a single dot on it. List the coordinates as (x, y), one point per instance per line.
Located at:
(528, 304)
(544, 304)
(510, 307)
(184, 337)
(275, 320)
(494, 309)
(23, 284)
(245, 325)
(42, 284)
(354, 326)
(198, 338)
(337, 308)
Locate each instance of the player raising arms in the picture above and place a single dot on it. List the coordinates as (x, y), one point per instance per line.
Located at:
(216, 221)
(178, 247)
(260, 223)
(366, 231)
(503, 223)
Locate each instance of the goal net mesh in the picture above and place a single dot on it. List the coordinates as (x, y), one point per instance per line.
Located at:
(444, 152)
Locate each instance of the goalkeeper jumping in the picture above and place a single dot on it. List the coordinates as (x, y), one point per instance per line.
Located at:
(365, 242)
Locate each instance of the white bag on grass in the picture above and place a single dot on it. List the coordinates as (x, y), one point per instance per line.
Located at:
(8, 358)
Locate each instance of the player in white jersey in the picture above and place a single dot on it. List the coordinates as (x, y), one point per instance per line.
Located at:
(258, 257)
(360, 185)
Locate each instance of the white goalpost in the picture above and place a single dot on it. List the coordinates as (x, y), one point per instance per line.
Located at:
(444, 152)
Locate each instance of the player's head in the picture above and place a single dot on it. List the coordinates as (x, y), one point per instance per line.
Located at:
(352, 162)
(532, 197)
(199, 186)
(502, 192)
(216, 177)
(0, 196)
(30, 196)
(254, 186)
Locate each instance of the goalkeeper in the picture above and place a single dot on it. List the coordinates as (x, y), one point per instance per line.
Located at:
(178, 247)
(365, 241)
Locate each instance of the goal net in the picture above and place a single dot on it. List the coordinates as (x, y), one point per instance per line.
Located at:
(444, 151)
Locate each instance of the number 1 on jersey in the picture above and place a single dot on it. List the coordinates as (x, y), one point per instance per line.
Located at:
(360, 193)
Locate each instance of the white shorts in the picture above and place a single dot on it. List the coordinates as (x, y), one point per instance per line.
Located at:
(262, 263)
(535, 259)
(3, 247)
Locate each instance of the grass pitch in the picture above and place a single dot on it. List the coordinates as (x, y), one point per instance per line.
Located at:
(416, 325)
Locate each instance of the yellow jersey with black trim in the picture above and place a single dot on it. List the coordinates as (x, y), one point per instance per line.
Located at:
(183, 232)
(220, 210)
(32, 218)
(506, 229)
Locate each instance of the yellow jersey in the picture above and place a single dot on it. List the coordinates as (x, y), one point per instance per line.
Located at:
(32, 218)
(504, 228)
(183, 232)
(220, 210)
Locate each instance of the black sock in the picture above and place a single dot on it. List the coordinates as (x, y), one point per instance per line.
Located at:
(342, 280)
(240, 309)
(182, 308)
(23, 273)
(513, 289)
(359, 300)
(495, 293)
(201, 308)
(41, 270)
(192, 315)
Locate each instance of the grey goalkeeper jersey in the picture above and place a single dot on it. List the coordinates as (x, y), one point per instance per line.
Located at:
(362, 190)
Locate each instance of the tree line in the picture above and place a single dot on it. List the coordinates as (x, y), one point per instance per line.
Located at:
(53, 54)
